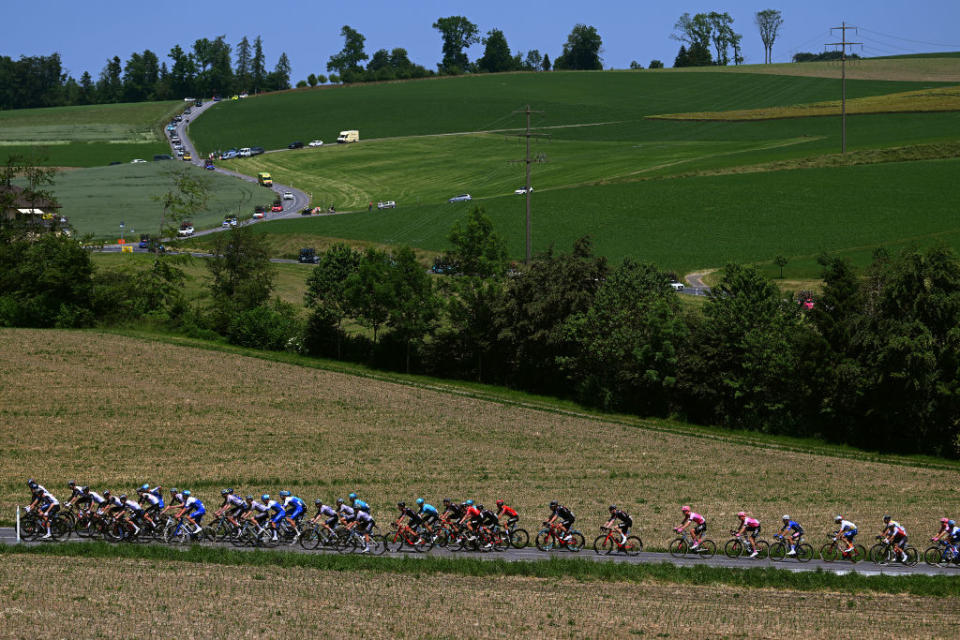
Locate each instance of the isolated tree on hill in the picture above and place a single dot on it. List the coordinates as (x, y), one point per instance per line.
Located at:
(321, 79)
(695, 32)
(581, 50)
(244, 65)
(327, 299)
(477, 249)
(533, 61)
(312, 80)
(546, 62)
(656, 64)
(458, 34)
(368, 291)
(496, 54)
(348, 62)
(768, 21)
(258, 67)
(721, 34)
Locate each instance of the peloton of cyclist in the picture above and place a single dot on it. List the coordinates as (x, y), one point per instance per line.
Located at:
(695, 522)
(846, 533)
(625, 522)
(428, 513)
(792, 532)
(749, 527)
(894, 533)
(563, 516)
(505, 510)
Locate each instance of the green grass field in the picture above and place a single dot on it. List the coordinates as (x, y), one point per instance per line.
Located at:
(96, 200)
(87, 136)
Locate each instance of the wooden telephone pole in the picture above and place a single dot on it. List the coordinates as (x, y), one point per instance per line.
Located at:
(843, 44)
(528, 161)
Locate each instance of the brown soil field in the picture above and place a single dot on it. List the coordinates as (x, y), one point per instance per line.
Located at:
(114, 412)
(80, 597)
(903, 69)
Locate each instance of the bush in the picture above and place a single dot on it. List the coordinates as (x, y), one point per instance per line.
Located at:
(265, 327)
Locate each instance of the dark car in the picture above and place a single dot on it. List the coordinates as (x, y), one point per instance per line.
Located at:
(144, 240)
(308, 256)
(208, 165)
(295, 145)
(255, 151)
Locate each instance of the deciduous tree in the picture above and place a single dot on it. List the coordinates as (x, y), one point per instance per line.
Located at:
(458, 34)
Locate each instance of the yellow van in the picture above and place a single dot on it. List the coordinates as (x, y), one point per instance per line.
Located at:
(187, 157)
(264, 179)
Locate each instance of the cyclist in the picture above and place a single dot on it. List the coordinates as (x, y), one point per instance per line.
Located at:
(77, 493)
(428, 513)
(749, 526)
(111, 504)
(488, 521)
(47, 506)
(452, 511)
(154, 502)
(954, 537)
(176, 498)
(471, 518)
(894, 533)
(132, 511)
(90, 498)
(626, 522)
(696, 523)
(562, 515)
(414, 521)
(325, 511)
(233, 506)
(358, 504)
(279, 513)
(257, 512)
(196, 509)
(294, 507)
(364, 526)
(792, 531)
(34, 486)
(346, 512)
(846, 533)
(509, 512)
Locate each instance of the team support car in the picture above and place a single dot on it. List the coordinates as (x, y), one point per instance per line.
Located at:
(463, 197)
(295, 145)
(288, 195)
(138, 161)
(276, 207)
(230, 221)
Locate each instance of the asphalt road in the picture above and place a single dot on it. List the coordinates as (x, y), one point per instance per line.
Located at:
(531, 554)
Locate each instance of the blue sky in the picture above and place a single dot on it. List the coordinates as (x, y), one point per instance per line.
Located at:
(86, 34)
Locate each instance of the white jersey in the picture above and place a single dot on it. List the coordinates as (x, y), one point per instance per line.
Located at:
(846, 525)
(259, 506)
(47, 498)
(236, 501)
(96, 497)
(133, 505)
(152, 499)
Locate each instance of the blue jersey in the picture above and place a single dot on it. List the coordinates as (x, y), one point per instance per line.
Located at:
(428, 509)
(794, 526)
(361, 505)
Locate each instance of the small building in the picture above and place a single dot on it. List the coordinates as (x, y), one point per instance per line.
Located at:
(16, 203)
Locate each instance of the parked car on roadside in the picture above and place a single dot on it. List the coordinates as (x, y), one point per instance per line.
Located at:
(315, 143)
(138, 161)
(308, 255)
(295, 145)
(464, 197)
(230, 221)
(185, 230)
(389, 204)
(522, 190)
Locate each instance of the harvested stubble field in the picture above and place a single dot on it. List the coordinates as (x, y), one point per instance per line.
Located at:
(82, 597)
(114, 412)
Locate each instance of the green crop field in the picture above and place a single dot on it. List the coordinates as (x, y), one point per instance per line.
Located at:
(89, 135)
(96, 200)
(485, 102)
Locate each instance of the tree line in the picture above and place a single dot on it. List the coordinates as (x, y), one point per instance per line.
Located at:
(874, 363)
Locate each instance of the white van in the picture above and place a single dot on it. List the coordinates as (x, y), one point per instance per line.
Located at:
(244, 153)
(353, 135)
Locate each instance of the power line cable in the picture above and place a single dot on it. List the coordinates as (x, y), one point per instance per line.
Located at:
(932, 44)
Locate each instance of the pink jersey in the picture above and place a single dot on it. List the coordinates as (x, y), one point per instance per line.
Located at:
(695, 517)
(751, 522)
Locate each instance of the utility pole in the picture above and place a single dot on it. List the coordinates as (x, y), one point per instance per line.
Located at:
(843, 44)
(527, 160)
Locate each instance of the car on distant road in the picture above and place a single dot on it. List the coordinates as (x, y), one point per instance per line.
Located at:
(306, 211)
(138, 161)
(230, 221)
(464, 197)
(171, 127)
(308, 255)
(144, 240)
(522, 190)
(389, 204)
(255, 151)
(295, 145)
(288, 195)
(229, 154)
(208, 165)
(259, 215)
(676, 286)
(185, 230)
(245, 152)
(315, 143)
(187, 157)
(276, 207)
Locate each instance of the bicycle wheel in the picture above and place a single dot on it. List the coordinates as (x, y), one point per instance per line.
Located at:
(733, 548)
(310, 539)
(763, 549)
(829, 552)
(858, 553)
(577, 541)
(545, 540)
(634, 546)
(29, 527)
(519, 538)
(804, 552)
(377, 545)
(778, 551)
(60, 528)
(604, 544)
(706, 549)
(933, 556)
(678, 547)
(879, 553)
(913, 557)
(268, 538)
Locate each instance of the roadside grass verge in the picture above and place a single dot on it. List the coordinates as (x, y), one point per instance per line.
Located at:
(924, 100)
(553, 568)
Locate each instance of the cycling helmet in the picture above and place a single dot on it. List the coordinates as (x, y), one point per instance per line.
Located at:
(499, 503)
(742, 514)
(284, 493)
(123, 497)
(469, 503)
(446, 501)
(944, 520)
(32, 484)
(402, 505)
(886, 518)
(339, 500)
(480, 507)
(265, 497)
(685, 509)
(419, 502)
(186, 493)
(951, 523)
(352, 496)
(173, 489)
(145, 486)
(613, 507)
(106, 492)
(249, 498)
(72, 484)
(785, 517)
(224, 492)
(554, 503)
(838, 519)
(229, 489)
(318, 502)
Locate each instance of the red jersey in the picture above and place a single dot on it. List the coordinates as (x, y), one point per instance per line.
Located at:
(472, 512)
(508, 511)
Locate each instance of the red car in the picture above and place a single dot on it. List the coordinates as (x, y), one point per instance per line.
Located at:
(277, 206)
